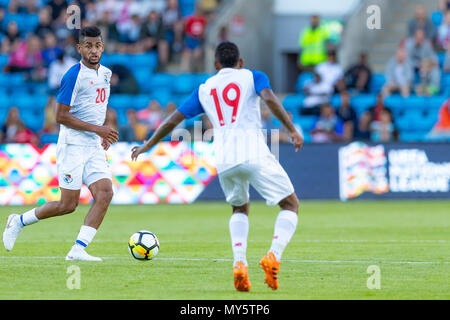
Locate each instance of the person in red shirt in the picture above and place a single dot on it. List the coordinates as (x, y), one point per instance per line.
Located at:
(194, 29)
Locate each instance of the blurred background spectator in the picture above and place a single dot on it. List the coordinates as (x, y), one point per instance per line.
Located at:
(313, 45)
(418, 48)
(357, 76)
(331, 72)
(328, 128)
(399, 74)
(430, 78)
(317, 93)
(421, 21)
(348, 116)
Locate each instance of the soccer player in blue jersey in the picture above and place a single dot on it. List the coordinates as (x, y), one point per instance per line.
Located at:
(81, 151)
(230, 99)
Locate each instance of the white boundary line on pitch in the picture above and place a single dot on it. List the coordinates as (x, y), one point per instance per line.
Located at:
(302, 241)
(229, 260)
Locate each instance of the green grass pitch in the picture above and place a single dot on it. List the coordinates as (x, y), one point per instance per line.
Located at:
(327, 258)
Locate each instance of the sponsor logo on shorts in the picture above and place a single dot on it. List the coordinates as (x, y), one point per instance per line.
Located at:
(68, 178)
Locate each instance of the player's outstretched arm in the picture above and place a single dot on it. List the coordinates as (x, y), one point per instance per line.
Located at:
(64, 117)
(277, 109)
(163, 130)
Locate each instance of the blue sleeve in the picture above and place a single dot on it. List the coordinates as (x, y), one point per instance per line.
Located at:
(67, 85)
(261, 81)
(192, 107)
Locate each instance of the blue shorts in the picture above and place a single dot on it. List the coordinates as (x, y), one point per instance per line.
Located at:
(192, 43)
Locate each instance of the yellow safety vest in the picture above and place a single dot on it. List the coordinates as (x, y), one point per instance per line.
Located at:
(313, 44)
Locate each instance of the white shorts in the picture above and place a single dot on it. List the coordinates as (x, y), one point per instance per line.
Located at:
(266, 175)
(80, 164)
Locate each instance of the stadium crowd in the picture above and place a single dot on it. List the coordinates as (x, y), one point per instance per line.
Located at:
(42, 48)
(414, 70)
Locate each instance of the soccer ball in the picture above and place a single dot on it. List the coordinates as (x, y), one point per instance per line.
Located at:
(143, 245)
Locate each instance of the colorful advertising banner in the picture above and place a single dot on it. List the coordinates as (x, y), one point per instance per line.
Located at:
(172, 172)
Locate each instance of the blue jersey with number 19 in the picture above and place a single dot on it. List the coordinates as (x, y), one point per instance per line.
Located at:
(231, 101)
(86, 91)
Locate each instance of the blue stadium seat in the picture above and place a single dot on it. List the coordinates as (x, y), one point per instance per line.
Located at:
(436, 18)
(160, 81)
(4, 3)
(293, 102)
(27, 102)
(377, 82)
(184, 83)
(363, 102)
(441, 58)
(413, 136)
(33, 118)
(121, 101)
(307, 122)
(335, 100)
(3, 114)
(436, 101)
(49, 138)
(3, 60)
(445, 83)
(187, 7)
(142, 76)
(4, 100)
(25, 22)
(162, 96)
(302, 79)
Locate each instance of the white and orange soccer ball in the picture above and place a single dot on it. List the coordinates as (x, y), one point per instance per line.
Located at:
(143, 245)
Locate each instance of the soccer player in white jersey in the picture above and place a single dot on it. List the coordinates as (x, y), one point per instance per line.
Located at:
(81, 150)
(230, 99)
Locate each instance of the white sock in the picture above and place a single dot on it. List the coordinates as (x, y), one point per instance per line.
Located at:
(239, 233)
(28, 218)
(285, 226)
(85, 236)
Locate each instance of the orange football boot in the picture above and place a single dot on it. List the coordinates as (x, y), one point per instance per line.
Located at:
(270, 266)
(240, 274)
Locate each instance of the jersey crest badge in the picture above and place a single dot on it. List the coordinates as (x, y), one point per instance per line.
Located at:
(68, 178)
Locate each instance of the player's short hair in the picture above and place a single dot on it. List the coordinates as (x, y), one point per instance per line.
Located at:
(91, 31)
(227, 54)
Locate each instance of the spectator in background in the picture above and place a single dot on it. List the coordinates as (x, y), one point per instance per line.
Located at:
(123, 81)
(208, 7)
(383, 130)
(375, 111)
(358, 76)
(430, 78)
(57, 7)
(313, 45)
(56, 71)
(11, 126)
(331, 72)
(317, 93)
(50, 125)
(267, 120)
(27, 58)
(51, 50)
(173, 25)
(444, 5)
(195, 26)
(419, 48)
(443, 33)
(140, 130)
(362, 131)
(22, 6)
(328, 128)
(126, 132)
(421, 21)
(12, 38)
(152, 116)
(153, 36)
(109, 30)
(44, 26)
(443, 123)
(399, 74)
(348, 116)
(285, 135)
(25, 135)
(70, 47)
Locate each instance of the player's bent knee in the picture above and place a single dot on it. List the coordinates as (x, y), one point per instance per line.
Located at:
(290, 203)
(66, 208)
(104, 196)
